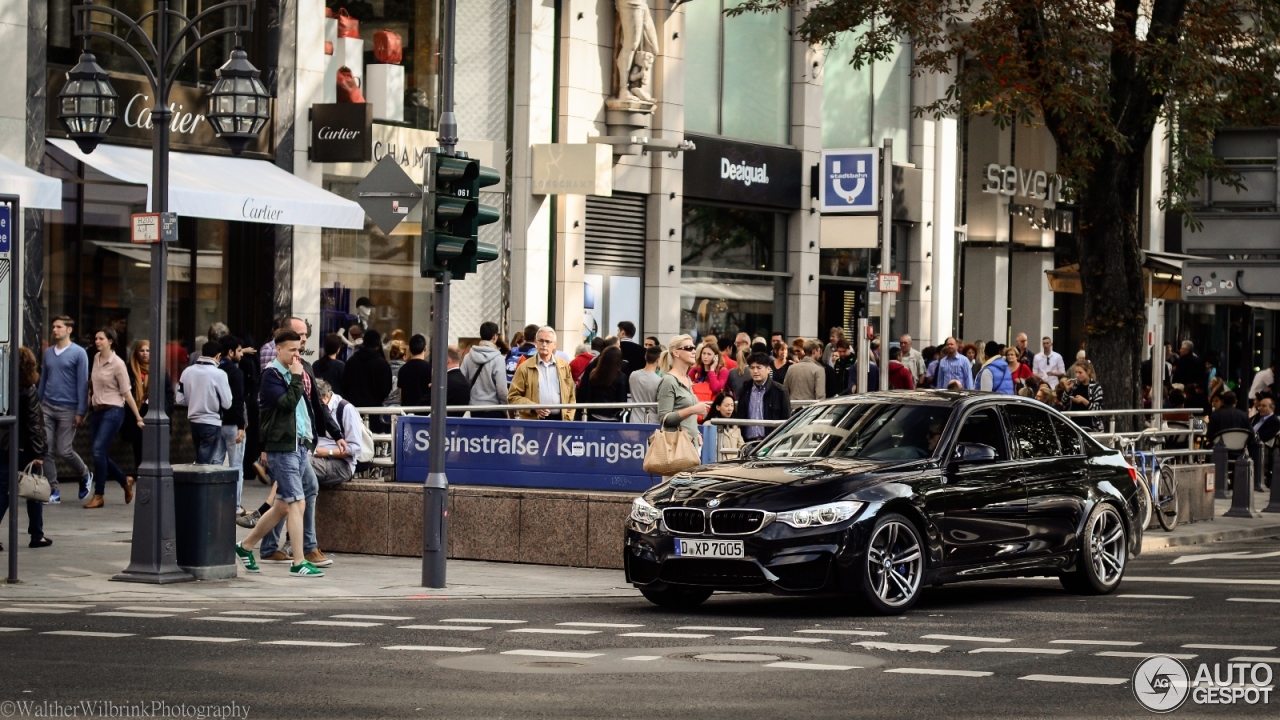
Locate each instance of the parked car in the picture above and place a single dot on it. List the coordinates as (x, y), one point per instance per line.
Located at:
(880, 494)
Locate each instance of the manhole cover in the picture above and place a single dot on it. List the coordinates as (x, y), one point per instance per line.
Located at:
(552, 664)
(737, 657)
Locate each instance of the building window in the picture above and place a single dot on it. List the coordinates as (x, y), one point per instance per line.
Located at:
(417, 25)
(737, 72)
(733, 271)
(862, 107)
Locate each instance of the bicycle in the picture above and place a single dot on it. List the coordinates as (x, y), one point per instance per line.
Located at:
(1159, 499)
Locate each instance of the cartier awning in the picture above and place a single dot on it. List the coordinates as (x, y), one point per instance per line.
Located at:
(32, 188)
(226, 188)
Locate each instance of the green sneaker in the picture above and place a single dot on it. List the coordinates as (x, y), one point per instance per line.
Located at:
(305, 569)
(246, 559)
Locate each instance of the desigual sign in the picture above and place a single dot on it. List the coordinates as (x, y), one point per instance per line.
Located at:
(741, 172)
(744, 173)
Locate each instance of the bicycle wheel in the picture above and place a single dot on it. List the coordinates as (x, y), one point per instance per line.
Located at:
(1144, 501)
(1166, 499)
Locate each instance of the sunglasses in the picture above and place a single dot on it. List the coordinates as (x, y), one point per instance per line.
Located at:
(688, 348)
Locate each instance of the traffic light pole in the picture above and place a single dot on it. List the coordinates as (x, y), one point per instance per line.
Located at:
(435, 494)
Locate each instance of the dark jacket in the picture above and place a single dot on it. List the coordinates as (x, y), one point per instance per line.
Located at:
(1226, 418)
(414, 381)
(632, 356)
(330, 371)
(326, 424)
(457, 391)
(31, 437)
(589, 392)
(1269, 428)
(367, 378)
(146, 402)
(277, 406)
(777, 403)
(235, 414)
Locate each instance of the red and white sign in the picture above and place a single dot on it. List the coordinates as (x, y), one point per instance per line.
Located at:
(146, 227)
(889, 282)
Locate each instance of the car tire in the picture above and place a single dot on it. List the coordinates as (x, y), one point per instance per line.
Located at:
(1104, 550)
(891, 585)
(676, 598)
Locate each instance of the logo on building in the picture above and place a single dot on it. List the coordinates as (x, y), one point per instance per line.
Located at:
(850, 181)
(746, 174)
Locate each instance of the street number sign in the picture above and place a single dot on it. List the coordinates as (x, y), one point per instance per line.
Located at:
(889, 282)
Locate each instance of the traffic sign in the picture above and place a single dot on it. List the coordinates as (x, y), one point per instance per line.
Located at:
(153, 227)
(889, 282)
(388, 194)
(849, 181)
(6, 228)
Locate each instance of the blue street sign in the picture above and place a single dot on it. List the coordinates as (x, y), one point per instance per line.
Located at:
(6, 228)
(849, 181)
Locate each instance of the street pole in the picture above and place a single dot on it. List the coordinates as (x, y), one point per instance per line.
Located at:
(886, 249)
(435, 493)
(15, 330)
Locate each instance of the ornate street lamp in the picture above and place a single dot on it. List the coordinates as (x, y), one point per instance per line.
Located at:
(239, 107)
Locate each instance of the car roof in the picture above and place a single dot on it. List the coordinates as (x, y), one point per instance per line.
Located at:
(930, 397)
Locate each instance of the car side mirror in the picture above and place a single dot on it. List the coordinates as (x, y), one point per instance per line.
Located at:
(748, 449)
(969, 453)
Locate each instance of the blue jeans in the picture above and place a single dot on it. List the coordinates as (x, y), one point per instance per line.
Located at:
(206, 439)
(298, 461)
(104, 425)
(35, 509)
(232, 453)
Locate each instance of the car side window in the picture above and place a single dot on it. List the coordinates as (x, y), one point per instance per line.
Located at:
(983, 426)
(1068, 436)
(1033, 433)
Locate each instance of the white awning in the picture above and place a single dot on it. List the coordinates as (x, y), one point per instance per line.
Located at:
(34, 189)
(226, 188)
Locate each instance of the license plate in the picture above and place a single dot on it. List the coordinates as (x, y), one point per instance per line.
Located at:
(710, 548)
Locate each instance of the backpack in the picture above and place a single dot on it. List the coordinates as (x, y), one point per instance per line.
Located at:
(366, 437)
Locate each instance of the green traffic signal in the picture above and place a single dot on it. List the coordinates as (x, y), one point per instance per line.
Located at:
(454, 215)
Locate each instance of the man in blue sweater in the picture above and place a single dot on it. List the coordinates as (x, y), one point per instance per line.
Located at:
(64, 390)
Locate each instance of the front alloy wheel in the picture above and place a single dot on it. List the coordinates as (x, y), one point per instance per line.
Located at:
(894, 567)
(1103, 552)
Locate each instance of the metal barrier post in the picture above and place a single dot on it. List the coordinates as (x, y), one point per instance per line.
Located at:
(1242, 489)
(1220, 467)
(1274, 505)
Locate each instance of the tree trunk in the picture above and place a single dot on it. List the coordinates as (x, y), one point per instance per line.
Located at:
(1111, 278)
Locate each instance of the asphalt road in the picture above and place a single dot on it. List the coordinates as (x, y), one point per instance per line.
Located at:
(1000, 649)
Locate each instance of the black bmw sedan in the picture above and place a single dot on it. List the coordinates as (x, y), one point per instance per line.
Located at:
(878, 495)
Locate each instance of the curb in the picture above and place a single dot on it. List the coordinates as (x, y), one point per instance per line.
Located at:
(1164, 541)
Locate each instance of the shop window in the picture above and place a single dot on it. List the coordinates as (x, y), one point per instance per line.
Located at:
(863, 106)
(417, 25)
(733, 271)
(737, 72)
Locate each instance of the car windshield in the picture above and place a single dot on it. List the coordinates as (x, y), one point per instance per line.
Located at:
(868, 431)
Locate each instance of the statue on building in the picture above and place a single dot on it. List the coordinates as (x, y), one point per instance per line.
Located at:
(636, 43)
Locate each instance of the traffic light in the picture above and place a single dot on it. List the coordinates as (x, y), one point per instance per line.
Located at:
(454, 215)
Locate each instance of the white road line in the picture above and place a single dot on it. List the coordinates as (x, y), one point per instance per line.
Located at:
(643, 658)
(965, 638)
(1254, 648)
(219, 618)
(482, 621)
(463, 628)
(939, 671)
(261, 613)
(62, 606)
(36, 610)
(143, 608)
(901, 647)
(1154, 597)
(131, 614)
(431, 648)
(337, 623)
(1121, 643)
(198, 638)
(863, 633)
(1202, 580)
(663, 635)
(1123, 654)
(551, 653)
(1256, 600)
(372, 617)
(310, 643)
(555, 631)
(1020, 651)
(599, 625)
(1076, 679)
(772, 638)
(811, 666)
(719, 628)
(12, 629)
(1249, 659)
(86, 633)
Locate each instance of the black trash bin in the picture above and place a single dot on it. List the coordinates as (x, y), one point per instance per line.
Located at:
(204, 507)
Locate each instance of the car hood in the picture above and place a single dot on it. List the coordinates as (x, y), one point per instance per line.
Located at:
(773, 484)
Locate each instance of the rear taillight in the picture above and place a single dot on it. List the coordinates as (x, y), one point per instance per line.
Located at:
(1133, 474)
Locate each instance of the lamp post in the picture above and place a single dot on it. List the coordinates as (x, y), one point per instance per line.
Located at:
(239, 107)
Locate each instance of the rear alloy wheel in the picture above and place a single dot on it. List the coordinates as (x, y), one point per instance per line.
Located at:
(1104, 548)
(676, 598)
(894, 566)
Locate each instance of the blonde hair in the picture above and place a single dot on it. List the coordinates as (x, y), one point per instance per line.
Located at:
(664, 362)
(399, 350)
(1088, 367)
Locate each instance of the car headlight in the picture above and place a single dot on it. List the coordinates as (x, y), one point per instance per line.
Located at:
(644, 513)
(817, 515)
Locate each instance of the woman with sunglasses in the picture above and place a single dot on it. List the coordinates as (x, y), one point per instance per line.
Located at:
(677, 405)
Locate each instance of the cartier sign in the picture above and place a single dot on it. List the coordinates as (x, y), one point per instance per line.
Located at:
(341, 132)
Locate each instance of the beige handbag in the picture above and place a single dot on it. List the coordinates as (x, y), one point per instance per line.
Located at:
(670, 452)
(33, 485)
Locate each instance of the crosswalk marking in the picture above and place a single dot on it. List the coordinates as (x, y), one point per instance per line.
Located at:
(87, 633)
(1121, 643)
(1254, 648)
(643, 658)
(145, 608)
(372, 617)
(61, 606)
(261, 613)
(1076, 679)
(901, 647)
(310, 643)
(463, 628)
(600, 625)
(131, 614)
(337, 623)
(940, 671)
(551, 653)
(483, 621)
(719, 628)
(1154, 597)
(1021, 650)
(1202, 580)
(771, 638)
(37, 610)
(432, 648)
(1256, 659)
(219, 618)
(1124, 654)
(12, 629)
(1254, 600)
(694, 636)
(555, 631)
(862, 633)
(811, 666)
(199, 638)
(965, 638)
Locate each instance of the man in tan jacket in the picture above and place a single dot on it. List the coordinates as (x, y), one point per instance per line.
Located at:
(546, 380)
(807, 379)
